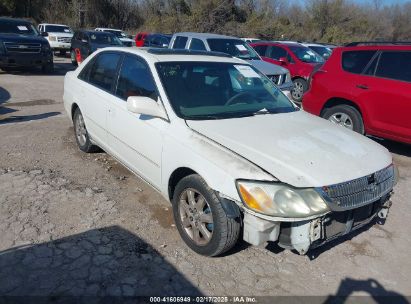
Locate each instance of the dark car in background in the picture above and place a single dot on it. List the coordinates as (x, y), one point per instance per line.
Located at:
(21, 45)
(85, 43)
(157, 40)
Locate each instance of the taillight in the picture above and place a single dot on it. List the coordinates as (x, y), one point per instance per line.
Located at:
(315, 71)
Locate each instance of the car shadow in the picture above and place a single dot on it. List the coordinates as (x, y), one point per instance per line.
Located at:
(25, 118)
(395, 147)
(4, 97)
(106, 262)
(372, 287)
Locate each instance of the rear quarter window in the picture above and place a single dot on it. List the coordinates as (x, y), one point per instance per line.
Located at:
(395, 65)
(356, 61)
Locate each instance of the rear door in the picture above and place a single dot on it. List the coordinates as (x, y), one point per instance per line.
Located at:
(386, 89)
(95, 90)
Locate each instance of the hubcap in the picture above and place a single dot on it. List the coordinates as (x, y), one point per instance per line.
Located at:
(81, 131)
(342, 119)
(298, 91)
(195, 215)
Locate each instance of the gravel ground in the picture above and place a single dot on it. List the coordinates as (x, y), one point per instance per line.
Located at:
(78, 224)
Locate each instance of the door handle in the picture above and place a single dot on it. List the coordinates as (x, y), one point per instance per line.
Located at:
(362, 86)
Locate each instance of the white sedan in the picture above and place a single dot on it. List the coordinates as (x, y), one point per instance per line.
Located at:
(227, 148)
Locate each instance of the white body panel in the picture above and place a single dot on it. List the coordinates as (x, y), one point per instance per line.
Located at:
(296, 148)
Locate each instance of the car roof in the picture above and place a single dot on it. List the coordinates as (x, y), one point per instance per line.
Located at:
(376, 47)
(53, 24)
(285, 43)
(94, 32)
(205, 35)
(14, 20)
(169, 55)
(109, 29)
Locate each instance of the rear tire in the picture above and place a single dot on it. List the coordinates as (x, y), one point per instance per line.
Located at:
(346, 116)
(73, 58)
(300, 87)
(216, 232)
(82, 136)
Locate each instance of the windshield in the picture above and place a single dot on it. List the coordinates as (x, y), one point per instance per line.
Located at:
(22, 28)
(323, 51)
(219, 90)
(233, 47)
(119, 34)
(105, 38)
(306, 55)
(58, 29)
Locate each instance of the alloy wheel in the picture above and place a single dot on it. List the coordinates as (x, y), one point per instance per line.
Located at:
(196, 217)
(81, 131)
(342, 119)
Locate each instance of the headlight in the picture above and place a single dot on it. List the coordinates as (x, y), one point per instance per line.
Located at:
(52, 38)
(281, 200)
(288, 77)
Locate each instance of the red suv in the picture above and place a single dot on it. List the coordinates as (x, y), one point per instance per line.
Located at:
(140, 38)
(366, 88)
(298, 59)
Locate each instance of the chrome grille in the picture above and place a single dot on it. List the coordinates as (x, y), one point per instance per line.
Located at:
(277, 79)
(64, 39)
(13, 47)
(361, 191)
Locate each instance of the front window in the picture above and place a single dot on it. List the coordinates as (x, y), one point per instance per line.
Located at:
(104, 38)
(21, 28)
(233, 47)
(306, 55)
(57, 29)
(323, 51)
(217, 90)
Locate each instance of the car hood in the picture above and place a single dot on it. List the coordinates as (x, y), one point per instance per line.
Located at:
(267, 68)
(298, 148)
(22, 38)
(60, 34)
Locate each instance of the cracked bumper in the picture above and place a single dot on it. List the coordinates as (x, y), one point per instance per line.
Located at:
(303, 235)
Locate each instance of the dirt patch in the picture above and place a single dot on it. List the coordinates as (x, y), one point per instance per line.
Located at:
(163, 215)
(31, 103)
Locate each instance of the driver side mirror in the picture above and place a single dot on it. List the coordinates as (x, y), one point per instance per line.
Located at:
(145, 106)
(284, 60)
(44, 34)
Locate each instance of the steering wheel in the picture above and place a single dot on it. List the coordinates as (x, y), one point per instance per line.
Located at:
(241, 94)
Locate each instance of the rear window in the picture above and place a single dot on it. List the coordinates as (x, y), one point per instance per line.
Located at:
(356, 61)
(180, 42)
(395, 65)
(104, 69)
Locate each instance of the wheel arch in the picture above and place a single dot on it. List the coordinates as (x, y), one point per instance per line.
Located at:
(177, 175)
(336, 101)
(74, 107)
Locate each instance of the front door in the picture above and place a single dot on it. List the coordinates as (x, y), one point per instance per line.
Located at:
(136, 139)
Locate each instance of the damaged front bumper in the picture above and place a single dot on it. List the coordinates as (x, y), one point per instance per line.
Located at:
(304, 234)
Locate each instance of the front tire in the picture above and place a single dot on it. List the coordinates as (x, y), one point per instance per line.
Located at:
(200, 218)
(300, 87)
(346, 116)
(82, 136)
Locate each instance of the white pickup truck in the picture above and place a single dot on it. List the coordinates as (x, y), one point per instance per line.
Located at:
(58, 35)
